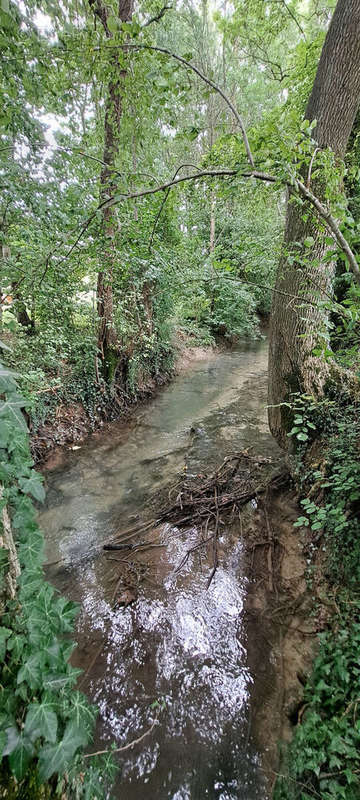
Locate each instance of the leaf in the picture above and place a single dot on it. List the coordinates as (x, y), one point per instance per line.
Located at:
(5, 434)
(112, 23)
(55, 681)
(12, 738)
(33, 486)
(303, 437)
(12, 409)
(309, 241)
(82, 713)
(21, 757)
(30, 672)
(31, 553)
(55, 758)
(41, 720)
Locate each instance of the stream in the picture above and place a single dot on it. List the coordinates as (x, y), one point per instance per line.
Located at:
(181, 653)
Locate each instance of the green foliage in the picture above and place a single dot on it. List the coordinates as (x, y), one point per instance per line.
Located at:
(325, 753)
(324, 757)
(44, 722)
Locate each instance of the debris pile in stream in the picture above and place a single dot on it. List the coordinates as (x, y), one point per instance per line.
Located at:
(203, 501)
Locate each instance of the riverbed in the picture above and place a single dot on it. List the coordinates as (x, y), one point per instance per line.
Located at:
(188, 658)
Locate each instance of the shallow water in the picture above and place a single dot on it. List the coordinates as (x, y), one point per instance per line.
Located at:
(179, 646)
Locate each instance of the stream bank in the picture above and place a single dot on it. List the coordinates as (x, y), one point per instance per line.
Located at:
(68, 424)
(219, 666)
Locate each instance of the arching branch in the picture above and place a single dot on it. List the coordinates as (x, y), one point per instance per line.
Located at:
(204, 78)
(295, 187)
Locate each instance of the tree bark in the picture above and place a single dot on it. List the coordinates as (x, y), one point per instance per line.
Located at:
(297, 327)
(108, 343)
(212, 222)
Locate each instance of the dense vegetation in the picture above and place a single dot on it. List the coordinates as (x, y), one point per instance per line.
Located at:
(147, 157)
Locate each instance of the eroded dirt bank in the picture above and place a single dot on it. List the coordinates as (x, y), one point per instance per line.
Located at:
(70, 424)
(214, 665)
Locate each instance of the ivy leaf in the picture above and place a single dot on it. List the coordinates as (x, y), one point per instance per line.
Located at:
(303, 437)
(55, 758)
(30, 583)
(55, 681)
(41, 720)
(81, 713)
(30, 671)
(6, 431)
(12, 409)
(12, 739)
(112, 23)
(309, 241)
(31, 553)
(21, 757)
(33, 486)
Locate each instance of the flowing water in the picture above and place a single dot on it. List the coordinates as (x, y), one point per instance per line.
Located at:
(181, 652)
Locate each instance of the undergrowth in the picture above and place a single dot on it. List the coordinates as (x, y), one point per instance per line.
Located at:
(323, 760)
(44, 722)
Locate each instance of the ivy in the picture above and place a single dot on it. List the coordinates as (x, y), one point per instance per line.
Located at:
(44, 722)
(324, 757)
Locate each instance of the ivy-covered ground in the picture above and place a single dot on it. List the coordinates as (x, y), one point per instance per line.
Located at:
(44, 722)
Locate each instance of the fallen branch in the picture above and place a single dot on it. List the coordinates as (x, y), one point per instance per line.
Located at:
(7, 541)
(126, 746)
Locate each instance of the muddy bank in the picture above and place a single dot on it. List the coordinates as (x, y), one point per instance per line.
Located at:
(279, 606)
(70, 424)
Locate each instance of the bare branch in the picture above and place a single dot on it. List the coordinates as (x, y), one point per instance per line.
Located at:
(293, 17)
(126, 746)
(158, 16)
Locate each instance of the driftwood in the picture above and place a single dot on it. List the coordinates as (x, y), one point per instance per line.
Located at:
(201, 501)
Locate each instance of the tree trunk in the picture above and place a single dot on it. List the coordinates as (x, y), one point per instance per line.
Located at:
(297, 325)
(212, 222)
(107, 339)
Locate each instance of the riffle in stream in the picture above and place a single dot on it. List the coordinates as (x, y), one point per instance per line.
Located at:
(180, 648)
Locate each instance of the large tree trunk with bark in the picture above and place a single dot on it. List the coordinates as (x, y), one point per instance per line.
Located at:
(304, 272)
(108, 343)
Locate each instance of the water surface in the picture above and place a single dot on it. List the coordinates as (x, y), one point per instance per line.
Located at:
(181, 651)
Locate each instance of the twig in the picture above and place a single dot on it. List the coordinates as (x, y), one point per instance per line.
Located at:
(191, 550)
(158, 16)
(158, 215)
(126, 746)
(216, 557)
(310, 167)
